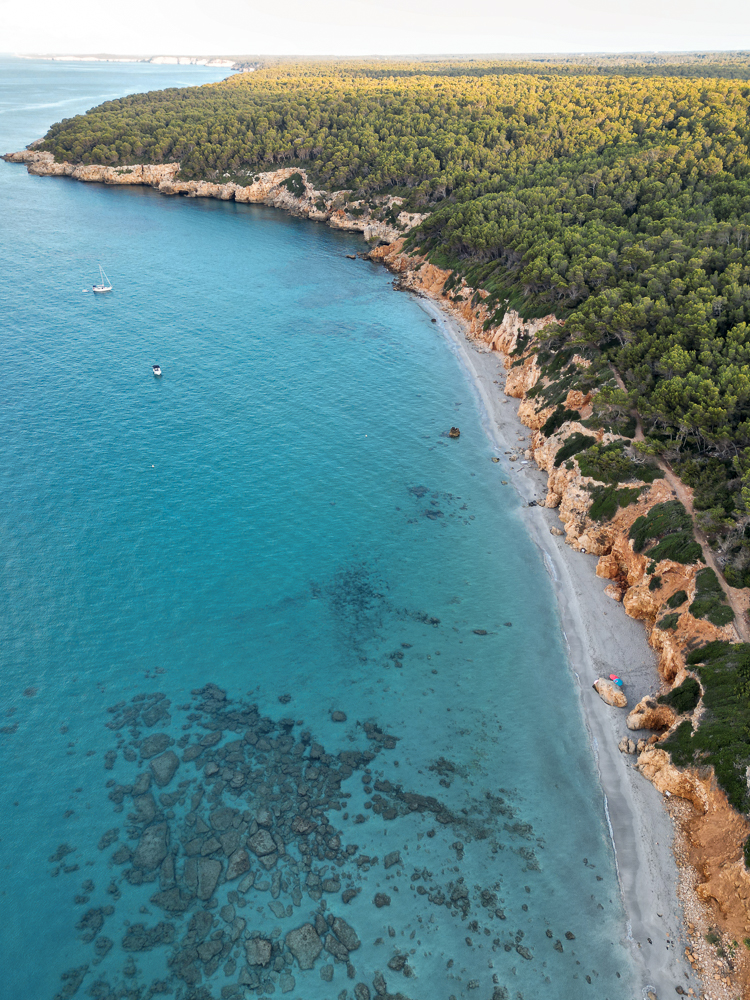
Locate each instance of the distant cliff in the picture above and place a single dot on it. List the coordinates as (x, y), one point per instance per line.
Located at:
(287, 188)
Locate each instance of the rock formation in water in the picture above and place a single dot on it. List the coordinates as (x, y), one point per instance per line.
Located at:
(237, 817)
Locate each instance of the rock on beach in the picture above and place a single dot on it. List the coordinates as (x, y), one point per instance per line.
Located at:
(610, 693)
(649, 714)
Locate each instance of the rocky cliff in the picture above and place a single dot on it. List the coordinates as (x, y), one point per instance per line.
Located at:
(709, 832)
(288, 188)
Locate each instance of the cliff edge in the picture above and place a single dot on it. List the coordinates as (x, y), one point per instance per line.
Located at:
(288, 188)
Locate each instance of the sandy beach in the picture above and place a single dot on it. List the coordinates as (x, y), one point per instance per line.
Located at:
(601, 639)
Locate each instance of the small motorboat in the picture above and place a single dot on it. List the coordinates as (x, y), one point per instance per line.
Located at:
(157, 369)
(105, 285)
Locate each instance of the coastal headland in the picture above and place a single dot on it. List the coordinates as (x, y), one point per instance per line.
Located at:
(288, 188)
(595, 567)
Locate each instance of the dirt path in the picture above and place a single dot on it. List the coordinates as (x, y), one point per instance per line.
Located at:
(736, 599)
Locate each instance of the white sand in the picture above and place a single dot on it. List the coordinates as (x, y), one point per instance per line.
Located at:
(601, 640)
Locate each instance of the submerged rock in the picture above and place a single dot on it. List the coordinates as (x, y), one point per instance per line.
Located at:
(261, 843)
(172, 900)
(346, 934)
(305, 944)
(152, 847)
(90, 924)
(336, 948)
(239, 863)
(201, 876)
(164, 767)
(138, 937)
(155, 744)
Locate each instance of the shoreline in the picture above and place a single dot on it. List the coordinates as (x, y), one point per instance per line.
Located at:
(640, 826)
(649, 835)
(288, 188)
(215, 61)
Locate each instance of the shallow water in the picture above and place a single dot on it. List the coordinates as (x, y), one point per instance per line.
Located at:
(281, 515)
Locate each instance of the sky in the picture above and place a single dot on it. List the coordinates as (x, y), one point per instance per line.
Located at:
(369, 27)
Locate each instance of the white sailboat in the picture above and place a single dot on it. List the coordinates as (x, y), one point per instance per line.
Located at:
(104, 283)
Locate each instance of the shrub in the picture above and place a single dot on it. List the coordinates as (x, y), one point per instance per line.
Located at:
(294, 184)
(670, 526)
(722, 738)
(573, 445)
(607, 499)
(609, 464)
(556, 419)
(718, 614)
(680, 744)
(709, 601)
(681, 548)
(746, 852)
(654, 583)
(683, 698)
(668, 622)
(679, 597)
(664, 519)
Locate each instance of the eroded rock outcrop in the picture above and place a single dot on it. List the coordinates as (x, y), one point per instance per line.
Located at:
(288, 188)
(650, 714)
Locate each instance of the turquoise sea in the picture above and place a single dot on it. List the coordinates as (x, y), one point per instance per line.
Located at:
(276, 652)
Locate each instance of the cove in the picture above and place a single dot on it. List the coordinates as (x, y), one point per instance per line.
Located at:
(203, 573)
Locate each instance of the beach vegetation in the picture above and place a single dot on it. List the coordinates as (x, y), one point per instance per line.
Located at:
(557, 418)
(683, 698)
(709, 601)
(608, 499)
(668, 525)
(294, 184)
(576, 443)
(668, 622)
(610, 464)
(677, 599)
(722, 736)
